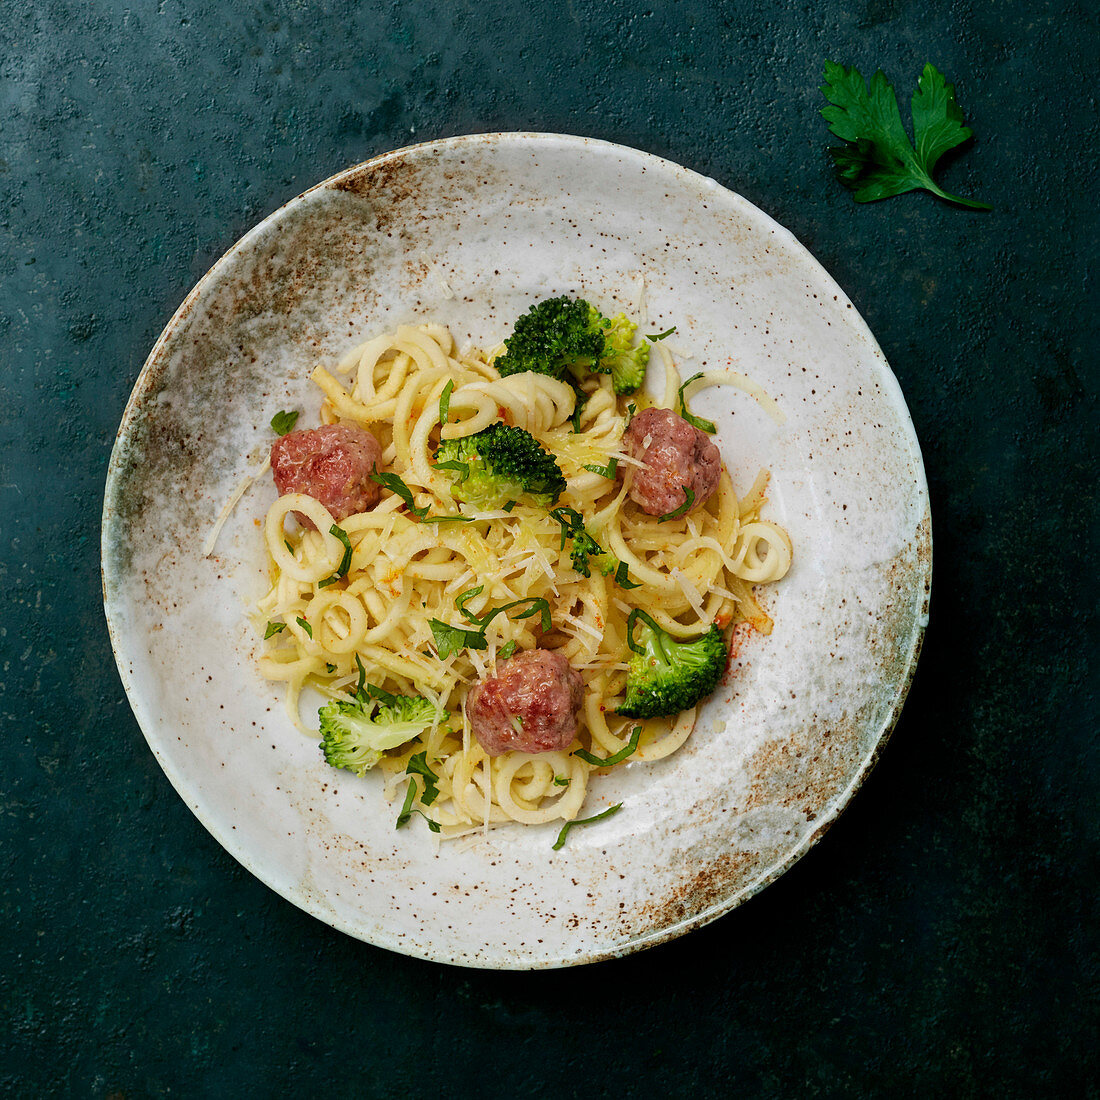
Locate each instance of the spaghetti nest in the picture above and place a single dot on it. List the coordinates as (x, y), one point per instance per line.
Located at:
(688, 572)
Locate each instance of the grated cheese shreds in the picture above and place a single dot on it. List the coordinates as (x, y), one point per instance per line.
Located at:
(718, 590)
(587, 628)
(628, 460)
(433, 267)
(459, 583)
(545, 566)
(691, 593)
(478, 662)
(246, 483)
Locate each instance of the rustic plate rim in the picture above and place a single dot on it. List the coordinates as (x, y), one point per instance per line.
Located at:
(300, 898)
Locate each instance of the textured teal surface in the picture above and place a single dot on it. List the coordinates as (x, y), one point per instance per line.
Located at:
(942, 937)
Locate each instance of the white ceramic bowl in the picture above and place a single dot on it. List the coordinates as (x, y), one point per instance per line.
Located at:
(469, 231)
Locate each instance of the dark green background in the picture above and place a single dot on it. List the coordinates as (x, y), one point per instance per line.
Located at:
(941, 938)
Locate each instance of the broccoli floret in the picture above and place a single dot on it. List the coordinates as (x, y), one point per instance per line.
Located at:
(354, 734)
(667, 676)
(551, 337)
(625, 363)
(498, 464)
(565, 334)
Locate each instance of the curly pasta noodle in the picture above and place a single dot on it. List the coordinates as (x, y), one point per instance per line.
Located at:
(694, 570)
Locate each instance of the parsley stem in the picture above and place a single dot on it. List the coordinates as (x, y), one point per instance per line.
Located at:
(406, 807)
(972, 203)
(689, 500)
(560, 842)
(614, 758)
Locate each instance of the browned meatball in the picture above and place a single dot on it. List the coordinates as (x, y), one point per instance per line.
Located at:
(675, 454)
(332, 464)
(530, 705)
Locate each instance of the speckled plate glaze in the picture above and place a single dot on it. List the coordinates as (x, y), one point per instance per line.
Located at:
(469, 231)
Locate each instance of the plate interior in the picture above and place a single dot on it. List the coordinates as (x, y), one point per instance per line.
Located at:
(469, 232)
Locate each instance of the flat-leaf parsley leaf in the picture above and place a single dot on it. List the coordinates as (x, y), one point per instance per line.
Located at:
(450, 639)
(396, 486)
(695, 421)
(345, 561)
(283, 422)
(877, 159)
